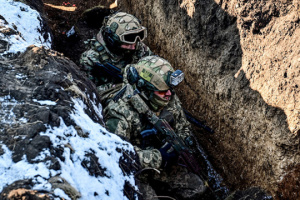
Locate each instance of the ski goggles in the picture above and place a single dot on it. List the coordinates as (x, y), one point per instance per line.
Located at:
(130, 37)
(162, 92)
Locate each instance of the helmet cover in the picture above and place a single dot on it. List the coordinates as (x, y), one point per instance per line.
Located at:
(155, 70)
(122, 23)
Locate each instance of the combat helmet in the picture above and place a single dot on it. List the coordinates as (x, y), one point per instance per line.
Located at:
(156, 77)
(155, 73)
(122, 28)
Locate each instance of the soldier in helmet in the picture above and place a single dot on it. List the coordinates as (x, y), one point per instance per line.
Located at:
(147, 93)
(118, 43)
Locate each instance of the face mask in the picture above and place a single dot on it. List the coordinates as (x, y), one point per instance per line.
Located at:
(157, 102)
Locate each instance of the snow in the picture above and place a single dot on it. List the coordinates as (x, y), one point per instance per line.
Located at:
(21, 76)
(10, 171)
(71, 32)
(103, 144)
(99, 141)
(27, 23)
(61, 193)
(7, 105)
(45, 102)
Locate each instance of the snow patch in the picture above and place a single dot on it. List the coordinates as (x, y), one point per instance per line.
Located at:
(7, 116)
(45, 102)
(26, 22)
(99, 142)
(11, 172)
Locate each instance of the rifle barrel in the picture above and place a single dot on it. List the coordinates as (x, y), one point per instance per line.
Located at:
(195, 121)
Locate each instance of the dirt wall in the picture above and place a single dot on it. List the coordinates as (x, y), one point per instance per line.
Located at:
(241, 60)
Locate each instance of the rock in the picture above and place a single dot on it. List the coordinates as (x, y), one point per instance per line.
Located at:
(52, 135)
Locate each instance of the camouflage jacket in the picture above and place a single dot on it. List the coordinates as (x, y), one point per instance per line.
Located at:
(124, 120)
(97, 52)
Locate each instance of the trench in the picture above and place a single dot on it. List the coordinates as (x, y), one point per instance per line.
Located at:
(71, 27)
(62, 20)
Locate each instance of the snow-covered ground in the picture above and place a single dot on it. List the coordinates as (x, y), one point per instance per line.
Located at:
(26, 22)
(99, 142)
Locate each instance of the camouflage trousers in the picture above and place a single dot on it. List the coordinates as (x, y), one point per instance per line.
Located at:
(176, 182)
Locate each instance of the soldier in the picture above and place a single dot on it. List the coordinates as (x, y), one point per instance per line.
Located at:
(147, 93)
(118, 43)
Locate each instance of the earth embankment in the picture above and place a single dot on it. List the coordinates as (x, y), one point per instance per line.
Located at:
(241, 60)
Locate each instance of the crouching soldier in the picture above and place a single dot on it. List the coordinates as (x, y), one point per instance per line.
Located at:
(118, 43)
(147, 112)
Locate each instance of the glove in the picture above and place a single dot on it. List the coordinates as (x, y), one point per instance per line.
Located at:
(148, 132)
(169, 155)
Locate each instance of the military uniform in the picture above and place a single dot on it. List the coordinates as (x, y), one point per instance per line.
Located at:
(98, 50)
(124, 120)
(127, 118)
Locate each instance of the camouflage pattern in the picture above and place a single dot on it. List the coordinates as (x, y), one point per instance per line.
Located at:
(107, 92)
(97, 52)
(177, 183)
(126, 117)
(121, 23)
(146, 190)
(155, 70)
(123, 119)
(181, 183)
(149, 157)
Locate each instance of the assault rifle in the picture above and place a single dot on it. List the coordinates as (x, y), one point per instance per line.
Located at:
(116, 72)
(112, 70)
(166, 133)
(186, 154)
(185, 148)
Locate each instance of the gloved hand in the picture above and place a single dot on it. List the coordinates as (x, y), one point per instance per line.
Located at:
(148, 132)
(169, 155)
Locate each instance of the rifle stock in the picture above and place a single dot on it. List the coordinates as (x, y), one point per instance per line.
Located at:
(112, 70)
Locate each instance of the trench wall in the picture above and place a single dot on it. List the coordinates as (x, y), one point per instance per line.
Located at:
(241, 61)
